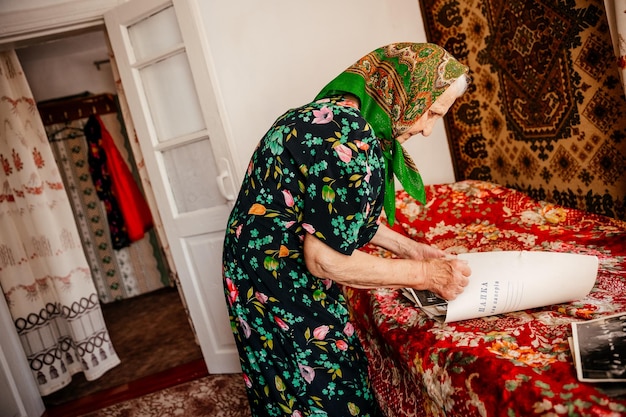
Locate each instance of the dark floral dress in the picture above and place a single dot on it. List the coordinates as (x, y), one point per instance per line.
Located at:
(318, 170)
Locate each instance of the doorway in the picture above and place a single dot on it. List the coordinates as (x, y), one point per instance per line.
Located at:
(148, 323)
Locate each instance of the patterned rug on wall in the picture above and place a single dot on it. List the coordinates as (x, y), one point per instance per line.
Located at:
(546, 112)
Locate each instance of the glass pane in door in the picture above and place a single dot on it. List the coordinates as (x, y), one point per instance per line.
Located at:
(172, 97)
(196, 188)
(155, 34)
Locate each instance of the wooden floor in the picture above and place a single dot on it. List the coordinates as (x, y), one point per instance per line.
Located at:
(134, 389)
(157, 349)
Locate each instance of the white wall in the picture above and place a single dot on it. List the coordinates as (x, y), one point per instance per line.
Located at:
(269, 56)
(66, 66)
(273, 55)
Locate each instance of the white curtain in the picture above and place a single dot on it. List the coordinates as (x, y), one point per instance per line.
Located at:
(44, 274)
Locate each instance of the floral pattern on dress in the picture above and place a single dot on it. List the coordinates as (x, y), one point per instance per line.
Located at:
(318, 170)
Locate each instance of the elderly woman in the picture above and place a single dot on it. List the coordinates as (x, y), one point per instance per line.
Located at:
(312, 195)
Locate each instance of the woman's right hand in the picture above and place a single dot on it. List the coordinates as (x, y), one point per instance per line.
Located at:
(446, 277)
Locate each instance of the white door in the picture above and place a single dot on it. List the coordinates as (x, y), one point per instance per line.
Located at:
(165, 69)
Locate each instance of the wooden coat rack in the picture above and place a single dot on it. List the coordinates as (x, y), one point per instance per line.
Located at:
(76, 107)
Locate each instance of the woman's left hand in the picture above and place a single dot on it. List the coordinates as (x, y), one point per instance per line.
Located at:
(405, 247)
(423, 251)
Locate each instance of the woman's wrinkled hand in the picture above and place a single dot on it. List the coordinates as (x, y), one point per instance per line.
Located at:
(446, 277)
(422, 251)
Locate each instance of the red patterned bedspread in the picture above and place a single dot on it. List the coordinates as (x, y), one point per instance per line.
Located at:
(516, 364)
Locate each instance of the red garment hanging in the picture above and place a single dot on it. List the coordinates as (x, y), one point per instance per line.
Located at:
(131, 201)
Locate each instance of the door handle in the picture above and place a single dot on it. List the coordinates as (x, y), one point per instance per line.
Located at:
(221, 179)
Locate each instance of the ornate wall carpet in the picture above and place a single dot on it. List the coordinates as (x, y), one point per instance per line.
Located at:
(546, 112)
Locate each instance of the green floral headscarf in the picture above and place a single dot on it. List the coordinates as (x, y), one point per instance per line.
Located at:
(396, 84)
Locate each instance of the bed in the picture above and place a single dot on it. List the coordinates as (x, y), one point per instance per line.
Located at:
(515, 364)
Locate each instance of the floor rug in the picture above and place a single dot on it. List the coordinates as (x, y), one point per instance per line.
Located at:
(211, 396)
(151, 333)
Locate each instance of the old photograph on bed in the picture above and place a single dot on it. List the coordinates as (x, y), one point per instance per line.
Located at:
(599, 348)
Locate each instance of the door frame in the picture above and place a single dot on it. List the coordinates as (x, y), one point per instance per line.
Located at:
(26, 27)
(195, 237)
(34, 23)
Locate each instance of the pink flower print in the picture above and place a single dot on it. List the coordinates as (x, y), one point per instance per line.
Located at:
(297, 413)
(245, 327)
(322, 116)
(288, 198)
(327, 283)
(307, 373)
(261, 297)
(320, 332)
(288, 224)
(341, 345)
(238, 230)
(344, 153)
(250, 165)
(233, 292)
(247, 381)
(348, 330)
(369, 173)
(308, 228)
(281, 323)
